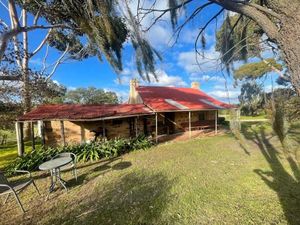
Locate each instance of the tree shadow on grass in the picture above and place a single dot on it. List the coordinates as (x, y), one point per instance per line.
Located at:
(138, 197)
(285, 184)
(97, 170)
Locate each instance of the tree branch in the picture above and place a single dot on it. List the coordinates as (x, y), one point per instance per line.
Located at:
(36, 17)
(57, 63)
(4, 24)
(45, 58)
(13, 14)
(260, 18)
(205, 26)
(6, 36)
(41, 44)
(276, 70)
(4, 5)
(263, 9)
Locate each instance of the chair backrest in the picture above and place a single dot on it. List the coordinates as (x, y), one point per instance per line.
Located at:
(3, 179)
(67, 154)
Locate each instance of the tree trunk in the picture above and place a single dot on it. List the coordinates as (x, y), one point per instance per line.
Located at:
(280, 21)
(26, 95)
(288, 36)
(289, 43)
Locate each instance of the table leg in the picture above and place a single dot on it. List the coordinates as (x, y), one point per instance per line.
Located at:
(52, 184)
(62, 182)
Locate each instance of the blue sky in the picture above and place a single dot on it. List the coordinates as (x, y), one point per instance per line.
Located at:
(178, 67)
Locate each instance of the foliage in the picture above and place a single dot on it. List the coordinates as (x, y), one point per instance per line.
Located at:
(144, 53)
(279, 124)
(95, 28)
(288, 100)
(85, 152)
(237, 39)
(90, 95)
(41, 92)
(251, 98)
(256, 70)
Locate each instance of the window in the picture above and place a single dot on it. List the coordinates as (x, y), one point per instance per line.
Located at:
(201, 115)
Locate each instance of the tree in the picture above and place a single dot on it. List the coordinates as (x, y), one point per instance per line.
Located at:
(90, 95)
(251, 98)
(78, 29)
(257, 69)
(277, 19)
(106, 25)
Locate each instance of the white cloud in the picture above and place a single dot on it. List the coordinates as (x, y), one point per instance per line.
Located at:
(159, 36)
(167, 80)
(56, 82)
(224, 94)
(71, 88)
(164, 79)
(199, 77)
(192, 64)
(231, 93)
(189, 35)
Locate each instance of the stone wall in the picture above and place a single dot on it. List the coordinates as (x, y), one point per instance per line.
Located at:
(78, 132)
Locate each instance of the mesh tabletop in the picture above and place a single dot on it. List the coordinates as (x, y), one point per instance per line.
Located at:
(55, 163)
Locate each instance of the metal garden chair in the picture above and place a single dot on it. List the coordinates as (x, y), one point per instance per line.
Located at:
(71, 165)
(7, 188)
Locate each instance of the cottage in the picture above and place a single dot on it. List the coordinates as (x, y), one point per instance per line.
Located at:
(151, 110)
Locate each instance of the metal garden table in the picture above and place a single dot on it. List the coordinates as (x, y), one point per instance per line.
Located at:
(53, 166)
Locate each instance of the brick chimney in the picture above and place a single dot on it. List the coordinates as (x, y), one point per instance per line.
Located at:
(195, 85)
(134, 97)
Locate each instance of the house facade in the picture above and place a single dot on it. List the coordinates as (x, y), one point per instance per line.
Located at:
(151, 110)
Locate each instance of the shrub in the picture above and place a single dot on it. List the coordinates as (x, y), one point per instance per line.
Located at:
(85, 152)
(221, 120)
(32, 160)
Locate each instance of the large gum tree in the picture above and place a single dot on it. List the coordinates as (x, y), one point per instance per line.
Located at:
(279, 20)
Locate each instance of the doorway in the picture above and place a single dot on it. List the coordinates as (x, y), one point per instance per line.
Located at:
(169, 121)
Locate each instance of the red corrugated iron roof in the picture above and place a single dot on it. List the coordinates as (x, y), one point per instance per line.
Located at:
(181, 99)
(83, 112)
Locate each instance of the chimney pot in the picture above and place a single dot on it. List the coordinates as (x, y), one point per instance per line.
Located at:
(195, 85)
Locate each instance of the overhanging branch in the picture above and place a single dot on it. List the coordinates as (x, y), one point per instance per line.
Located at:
(6, 36)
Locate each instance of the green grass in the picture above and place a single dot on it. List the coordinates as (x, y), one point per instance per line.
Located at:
(9, 152)
(258, 117)
(213, 180)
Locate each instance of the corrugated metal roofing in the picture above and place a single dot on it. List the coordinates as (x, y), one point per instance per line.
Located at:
(192, 99)
(83, 112)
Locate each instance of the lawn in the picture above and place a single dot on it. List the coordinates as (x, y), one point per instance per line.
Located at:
(213, 180)
(254, 118)
(9, 151)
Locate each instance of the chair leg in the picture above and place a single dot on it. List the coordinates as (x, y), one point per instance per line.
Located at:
(18, 200)
(6, 198)
(75, 173)
(36, 188)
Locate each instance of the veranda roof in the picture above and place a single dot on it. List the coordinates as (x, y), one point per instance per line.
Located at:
(84, 112)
